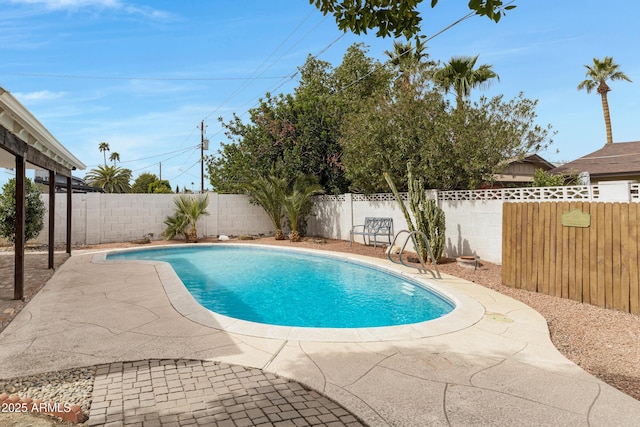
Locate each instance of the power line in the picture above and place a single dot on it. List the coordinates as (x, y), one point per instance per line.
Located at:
(154, 156)
(194, 149)
(186, 170)
(70, 76)
(289, 78)
(162, 154)
(256, 71)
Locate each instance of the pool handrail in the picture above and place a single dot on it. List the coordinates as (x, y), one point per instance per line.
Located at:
(412, 237)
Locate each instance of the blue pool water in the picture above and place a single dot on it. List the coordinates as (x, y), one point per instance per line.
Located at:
(289, 288)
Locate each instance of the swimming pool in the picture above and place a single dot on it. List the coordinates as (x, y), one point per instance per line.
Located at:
(286, 288)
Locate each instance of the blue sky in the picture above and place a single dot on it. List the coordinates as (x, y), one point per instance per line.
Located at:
(142, 75)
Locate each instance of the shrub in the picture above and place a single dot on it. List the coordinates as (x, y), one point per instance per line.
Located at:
(34, 210)
(188, 210)
(542, 178)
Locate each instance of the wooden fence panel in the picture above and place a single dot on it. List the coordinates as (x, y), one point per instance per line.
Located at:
(543, 258)
(558, 252)
(595, 264)
(600, 242)
(608, 255)
(634, 254)
(622, 299)
(587, 255)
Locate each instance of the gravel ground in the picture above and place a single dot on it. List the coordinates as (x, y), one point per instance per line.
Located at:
(605, 343)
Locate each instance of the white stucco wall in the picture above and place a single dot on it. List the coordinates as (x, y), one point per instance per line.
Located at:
(472, 227)
(108, 218)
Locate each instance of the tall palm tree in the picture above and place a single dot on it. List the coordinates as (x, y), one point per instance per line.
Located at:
(114, 157)
(104, 147)
(460, 76)
(111, 179)
(268, 192)
(408, 60)
(297, 203)
(597, 75)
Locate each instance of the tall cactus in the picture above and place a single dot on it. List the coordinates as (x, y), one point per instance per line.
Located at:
(429, 217)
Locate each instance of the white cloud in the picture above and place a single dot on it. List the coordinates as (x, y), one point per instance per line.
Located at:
(71, 4)
(116, 5)
(42, 95)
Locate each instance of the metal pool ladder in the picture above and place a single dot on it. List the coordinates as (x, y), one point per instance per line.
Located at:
(422, 268)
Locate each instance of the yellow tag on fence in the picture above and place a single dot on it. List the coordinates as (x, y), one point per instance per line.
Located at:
(576, 218)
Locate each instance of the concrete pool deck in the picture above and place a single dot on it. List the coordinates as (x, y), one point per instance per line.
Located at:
(497, 368)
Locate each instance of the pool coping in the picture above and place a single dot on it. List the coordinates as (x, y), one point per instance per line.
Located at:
(466, 313)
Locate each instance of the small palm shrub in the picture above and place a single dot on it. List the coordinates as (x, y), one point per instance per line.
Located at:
(268, 192)
(183, 222)
(297, 203)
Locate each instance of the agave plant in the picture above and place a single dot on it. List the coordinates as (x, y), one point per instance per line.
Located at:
(297, 203)
(188, 210)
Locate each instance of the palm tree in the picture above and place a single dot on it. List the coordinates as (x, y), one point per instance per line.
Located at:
(111, 179)
(114, 157)
(408, 60)
(297, 204)
(268, 192)
(460, 76)
(189, 209)
(104, 147)
(597, 76)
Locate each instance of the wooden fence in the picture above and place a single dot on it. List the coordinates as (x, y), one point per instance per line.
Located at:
(585, 251)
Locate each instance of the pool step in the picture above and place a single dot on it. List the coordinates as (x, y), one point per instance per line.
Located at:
(408, 289)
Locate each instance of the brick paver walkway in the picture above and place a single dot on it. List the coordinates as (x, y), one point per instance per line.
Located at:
(177, 393)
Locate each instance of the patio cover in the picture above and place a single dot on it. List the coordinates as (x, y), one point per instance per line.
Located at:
(26, 143)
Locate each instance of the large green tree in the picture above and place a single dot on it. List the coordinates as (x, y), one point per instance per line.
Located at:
(450, 148)
(597, 75)
(480, 140)
(111, 179)
(160, 186)
(141, 184)
(347, 125)
(392, 17)
(255, 146)
(300, 131)
(460, 75)
(387, 132)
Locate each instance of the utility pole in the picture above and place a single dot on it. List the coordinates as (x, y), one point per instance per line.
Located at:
(160, 171)
(202, 157)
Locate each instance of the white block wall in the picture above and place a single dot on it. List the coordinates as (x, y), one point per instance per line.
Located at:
(108, 218)
(472, 227)
(236, 216)
(331, 218)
